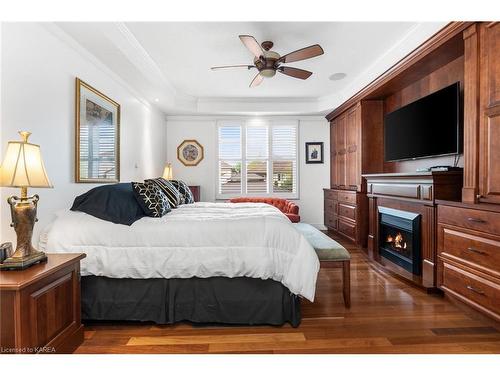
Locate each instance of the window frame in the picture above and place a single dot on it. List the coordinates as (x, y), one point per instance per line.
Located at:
(270, 124)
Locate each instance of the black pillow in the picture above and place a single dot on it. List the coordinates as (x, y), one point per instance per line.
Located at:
(115, 203)
(183, 188)
(153, 201)
(173, 195)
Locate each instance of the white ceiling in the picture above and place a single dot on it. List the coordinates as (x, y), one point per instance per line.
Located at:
(171, 60)
(186, 51)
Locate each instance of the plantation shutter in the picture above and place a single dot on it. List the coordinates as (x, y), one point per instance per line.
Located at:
(257, 153)
(230, 160)
(257, 158)
(284, 159)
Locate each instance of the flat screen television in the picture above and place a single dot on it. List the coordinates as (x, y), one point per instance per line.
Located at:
(425, 128)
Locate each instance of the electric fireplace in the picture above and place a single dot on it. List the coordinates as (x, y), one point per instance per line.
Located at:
(399, 238)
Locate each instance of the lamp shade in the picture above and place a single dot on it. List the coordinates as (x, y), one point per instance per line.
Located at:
(167, 172)
(23, 165)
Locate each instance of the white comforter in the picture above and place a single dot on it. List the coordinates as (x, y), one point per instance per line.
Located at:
(202, 239)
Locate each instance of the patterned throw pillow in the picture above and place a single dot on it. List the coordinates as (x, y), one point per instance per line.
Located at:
(150, 197)
(173, 195)
(186, 194)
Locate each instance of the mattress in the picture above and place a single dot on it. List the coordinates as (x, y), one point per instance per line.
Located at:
(197, 240)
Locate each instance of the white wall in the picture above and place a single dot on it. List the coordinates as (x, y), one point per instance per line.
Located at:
(38, 94)
(312, 177)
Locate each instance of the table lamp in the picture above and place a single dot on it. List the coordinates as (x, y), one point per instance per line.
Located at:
(23, 167)
(167, 172)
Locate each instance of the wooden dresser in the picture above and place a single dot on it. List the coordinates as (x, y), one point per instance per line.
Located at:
(469, 254)
(40, 307)
(345, 214)
(469, 232)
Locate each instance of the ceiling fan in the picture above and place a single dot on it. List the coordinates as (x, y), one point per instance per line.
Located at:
(268, 62)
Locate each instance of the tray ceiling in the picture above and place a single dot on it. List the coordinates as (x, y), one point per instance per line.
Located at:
(169, 62)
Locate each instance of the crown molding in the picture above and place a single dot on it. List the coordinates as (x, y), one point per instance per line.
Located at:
(194, 118)
(62, 36)
(133, 50)
(247, 99)
(176, 103)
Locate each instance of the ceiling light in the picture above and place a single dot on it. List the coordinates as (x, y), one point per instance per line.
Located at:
(157, 100)
(337, 76)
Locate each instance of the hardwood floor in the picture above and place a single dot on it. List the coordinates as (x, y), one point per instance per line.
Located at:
(386, 316)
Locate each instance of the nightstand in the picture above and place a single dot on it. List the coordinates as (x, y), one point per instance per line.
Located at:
(40, 307)
(195, 189)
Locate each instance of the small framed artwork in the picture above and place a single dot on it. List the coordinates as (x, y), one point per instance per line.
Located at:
(190, 153)
(314, 152)
(97, 120)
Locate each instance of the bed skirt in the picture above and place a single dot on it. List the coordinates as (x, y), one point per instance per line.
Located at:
(219, 300)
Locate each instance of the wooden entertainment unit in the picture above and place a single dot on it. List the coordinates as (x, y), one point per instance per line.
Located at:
(456, 258)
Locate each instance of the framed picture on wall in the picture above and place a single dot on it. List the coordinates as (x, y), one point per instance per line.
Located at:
(190, 153)
(314, 152)
(97, 119)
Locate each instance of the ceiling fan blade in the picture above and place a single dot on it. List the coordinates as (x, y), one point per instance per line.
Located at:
(232, 66)
(302, 54)
(257, 80)
(252, 45)
(294, 72)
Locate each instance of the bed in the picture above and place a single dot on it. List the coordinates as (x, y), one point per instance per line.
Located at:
(204, 262)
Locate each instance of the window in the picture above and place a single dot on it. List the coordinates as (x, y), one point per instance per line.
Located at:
(257, 158)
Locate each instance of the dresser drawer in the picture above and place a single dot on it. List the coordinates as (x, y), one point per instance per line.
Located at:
(484, 221)
(471, 288)
(478, 251)
(331, 222)
(331, 194)
(331, 206)
(348, 229)
(347, 197)
(347, 211)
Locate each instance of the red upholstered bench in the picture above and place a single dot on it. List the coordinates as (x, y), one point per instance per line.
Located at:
(290, 209)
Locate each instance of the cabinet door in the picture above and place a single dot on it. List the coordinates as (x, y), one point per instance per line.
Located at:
(341, 150)
(333, 154)
(489, 137)
(353, 173)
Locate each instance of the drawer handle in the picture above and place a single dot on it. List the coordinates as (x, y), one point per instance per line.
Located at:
(476, 220)
(476, 251)
(478, 291)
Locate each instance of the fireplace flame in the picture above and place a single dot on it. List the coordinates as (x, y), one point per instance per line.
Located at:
(397, 242)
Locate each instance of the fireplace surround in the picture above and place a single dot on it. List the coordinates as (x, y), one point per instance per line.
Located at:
(399, 239)
(415, 193)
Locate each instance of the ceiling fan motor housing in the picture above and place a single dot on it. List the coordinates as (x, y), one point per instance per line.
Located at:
(267, 63)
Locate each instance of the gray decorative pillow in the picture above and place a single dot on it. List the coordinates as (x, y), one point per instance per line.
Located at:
(186, 194)
(173, 195)
(153, 201)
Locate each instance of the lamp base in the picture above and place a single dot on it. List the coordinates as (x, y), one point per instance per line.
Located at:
(21, 263)
(23, 211)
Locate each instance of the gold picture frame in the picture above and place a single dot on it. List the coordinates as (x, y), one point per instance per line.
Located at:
(97, 136)
(190, 153)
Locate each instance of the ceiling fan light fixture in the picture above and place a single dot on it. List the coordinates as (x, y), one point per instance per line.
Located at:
(268, 73)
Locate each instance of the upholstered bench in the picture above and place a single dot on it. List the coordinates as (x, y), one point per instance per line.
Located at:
(329, 250)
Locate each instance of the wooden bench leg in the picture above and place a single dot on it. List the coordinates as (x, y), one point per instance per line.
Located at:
(346, 282)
